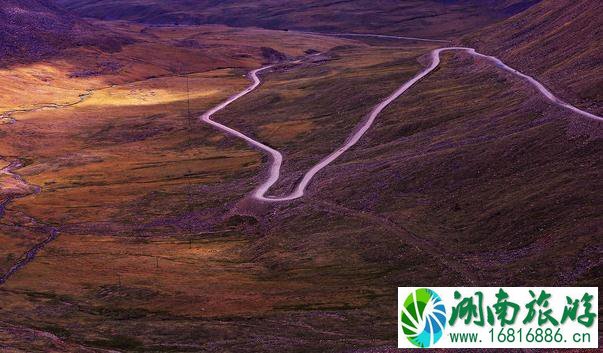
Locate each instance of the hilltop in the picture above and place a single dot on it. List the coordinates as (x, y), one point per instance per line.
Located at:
(434, 18)
(557, 41)
(34, 29)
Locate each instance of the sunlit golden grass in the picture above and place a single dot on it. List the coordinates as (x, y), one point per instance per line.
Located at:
(155, 55)
(134, 96)
(123, 142)
(165, 90)
(38, 84)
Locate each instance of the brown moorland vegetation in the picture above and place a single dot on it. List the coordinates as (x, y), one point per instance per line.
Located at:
(416, 17)
(35, 29)
(469, 178)
(557, 41)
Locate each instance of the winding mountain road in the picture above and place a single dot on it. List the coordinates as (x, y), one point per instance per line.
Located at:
(277, 158)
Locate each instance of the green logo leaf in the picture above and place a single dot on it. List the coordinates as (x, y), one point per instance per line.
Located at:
(423, 317)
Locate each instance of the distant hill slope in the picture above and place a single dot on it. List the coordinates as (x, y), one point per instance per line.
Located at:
(413, 17)
(32, 29)
(558, 41)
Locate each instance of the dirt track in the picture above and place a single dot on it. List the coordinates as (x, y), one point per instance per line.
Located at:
(277, 158)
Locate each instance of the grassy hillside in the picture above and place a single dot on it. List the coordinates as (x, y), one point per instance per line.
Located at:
(33, 29)
(557, 41)
(489, 181)
(132, 181)
(469, 178)
(415, 17)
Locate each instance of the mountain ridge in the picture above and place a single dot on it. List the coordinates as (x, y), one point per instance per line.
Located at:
(557, 41)
(35, 29)
(387, 16)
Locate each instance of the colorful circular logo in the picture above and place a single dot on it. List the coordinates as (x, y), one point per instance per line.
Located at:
(423, 317)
